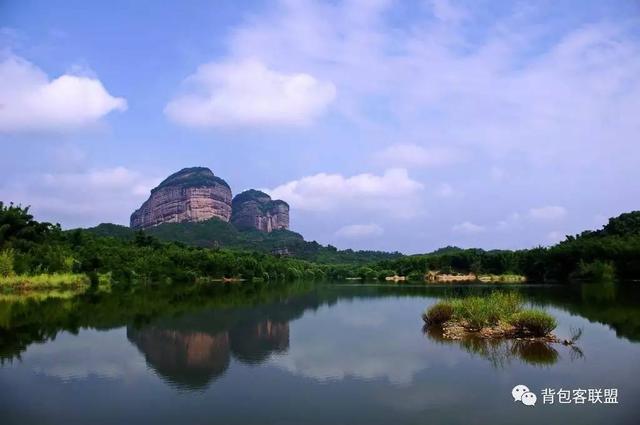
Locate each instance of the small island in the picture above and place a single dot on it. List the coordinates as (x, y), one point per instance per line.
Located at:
(499, 315)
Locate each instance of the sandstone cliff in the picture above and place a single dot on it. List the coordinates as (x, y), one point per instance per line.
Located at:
(191, 194)
(255, 209)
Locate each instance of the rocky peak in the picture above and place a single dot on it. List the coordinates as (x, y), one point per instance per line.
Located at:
(255, 209)
(191, 194)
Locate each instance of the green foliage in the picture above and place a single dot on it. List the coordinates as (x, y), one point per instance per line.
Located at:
(596, 270)
(439, 313)
(624, 225)
(250, 195)
(367, 273)
(382, 274)
(416, 277)
(7, 257)
(535, 322)
(19, 229)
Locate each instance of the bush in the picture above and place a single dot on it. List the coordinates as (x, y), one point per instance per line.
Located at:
(596, 270)
(6, 262)
(384, 273)
(367, 273)
(416, 277)
(536, 322)
(438, 313)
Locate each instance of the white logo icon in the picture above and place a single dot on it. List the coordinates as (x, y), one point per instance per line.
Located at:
(529, 399)
(522, 393)
(518, 391)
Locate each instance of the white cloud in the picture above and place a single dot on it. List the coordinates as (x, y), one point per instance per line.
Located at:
(247, 92)
(390, 191)
(356, 231)
(548, 213)
(30, 102)
(468, 228)
(410, 155)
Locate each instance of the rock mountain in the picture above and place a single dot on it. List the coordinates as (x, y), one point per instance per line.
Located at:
(255, 209)
(196, 194)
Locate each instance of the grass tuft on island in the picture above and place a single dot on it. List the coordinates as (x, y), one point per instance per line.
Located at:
(499, 315)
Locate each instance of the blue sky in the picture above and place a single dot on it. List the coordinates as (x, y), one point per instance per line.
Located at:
(391, 125)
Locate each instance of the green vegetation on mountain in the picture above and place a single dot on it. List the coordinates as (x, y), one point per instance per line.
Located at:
(264, 201)
(216, 233)
(250, 195)
(191, 177)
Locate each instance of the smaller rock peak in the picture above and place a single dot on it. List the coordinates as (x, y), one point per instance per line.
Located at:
(251, 195)
(254, 209)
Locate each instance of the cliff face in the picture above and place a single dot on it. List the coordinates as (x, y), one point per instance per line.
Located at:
(191, 194)
(255, 209)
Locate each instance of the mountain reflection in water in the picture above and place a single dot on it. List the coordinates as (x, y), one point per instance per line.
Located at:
(192, 360)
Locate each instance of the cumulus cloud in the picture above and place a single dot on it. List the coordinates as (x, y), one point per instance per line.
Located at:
(468, 228)
(548, 213)
(324, 192)
(411, 155)
(356, 231)
(31, 102)
(247, 92)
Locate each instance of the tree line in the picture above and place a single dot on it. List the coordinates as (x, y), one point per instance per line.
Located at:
(30, 247)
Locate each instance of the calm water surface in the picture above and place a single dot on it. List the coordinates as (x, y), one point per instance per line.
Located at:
(307, 354)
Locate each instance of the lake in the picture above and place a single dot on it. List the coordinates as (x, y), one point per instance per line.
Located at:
(308, 353)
